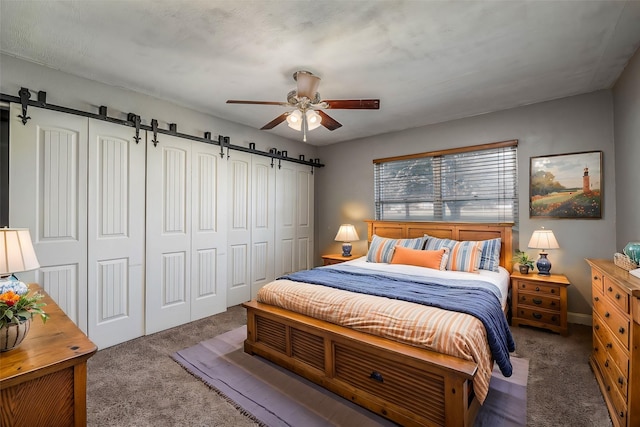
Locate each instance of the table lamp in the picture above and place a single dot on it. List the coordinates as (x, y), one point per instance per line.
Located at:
(346, 234)
(543, 239)
(16, 253)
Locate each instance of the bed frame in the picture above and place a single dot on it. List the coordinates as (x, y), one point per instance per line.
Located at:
(408, 385)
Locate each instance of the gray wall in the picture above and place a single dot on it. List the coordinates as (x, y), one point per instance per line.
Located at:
(344, 189)
(86, 95)
(626, 113)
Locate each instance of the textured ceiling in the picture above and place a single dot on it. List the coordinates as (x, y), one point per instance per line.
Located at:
(426, 61)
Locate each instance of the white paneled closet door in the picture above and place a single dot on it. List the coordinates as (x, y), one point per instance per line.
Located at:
(186, 241)
(263, 191)
(116, 219)
(304, 217)
(208, 232)
(48, 195)
(239, 228)
(294, 218)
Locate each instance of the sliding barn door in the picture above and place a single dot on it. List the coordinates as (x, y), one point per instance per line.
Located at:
(116, 219)
(304, 217)
(294, 218)
(208, 232)
(48, 195)
(239, 230)
(186, 239)
(263, 196)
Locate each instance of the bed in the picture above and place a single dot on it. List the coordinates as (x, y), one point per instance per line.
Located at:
(399, 380)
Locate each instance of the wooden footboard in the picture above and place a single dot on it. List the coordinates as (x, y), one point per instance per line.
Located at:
(408, 385)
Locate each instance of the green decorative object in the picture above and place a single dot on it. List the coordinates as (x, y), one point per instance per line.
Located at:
(632, 250)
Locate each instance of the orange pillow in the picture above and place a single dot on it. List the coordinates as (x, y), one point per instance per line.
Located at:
(420, 258)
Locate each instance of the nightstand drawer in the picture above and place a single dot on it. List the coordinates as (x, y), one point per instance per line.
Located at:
(616, 295)
(544, 316)
(538, 301)
(615, 321)
(538, 288)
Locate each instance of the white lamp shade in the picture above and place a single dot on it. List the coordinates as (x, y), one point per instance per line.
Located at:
(347, 233)
(313, 119)
(543, 239)
(16, 251)
(294, 120)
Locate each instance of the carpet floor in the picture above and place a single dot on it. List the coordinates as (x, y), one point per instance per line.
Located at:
(274, 397)
(137, 383)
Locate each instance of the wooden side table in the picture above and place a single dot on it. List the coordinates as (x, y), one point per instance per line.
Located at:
(337, 258)
(540, 301)
(43, 381)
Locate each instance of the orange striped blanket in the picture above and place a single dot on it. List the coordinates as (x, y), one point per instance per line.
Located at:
(456, 334)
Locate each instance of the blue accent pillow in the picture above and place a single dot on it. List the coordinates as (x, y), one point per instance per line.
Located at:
(381, 248)
(489, 258)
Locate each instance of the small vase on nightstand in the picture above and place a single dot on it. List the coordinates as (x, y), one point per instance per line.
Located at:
(524, 269)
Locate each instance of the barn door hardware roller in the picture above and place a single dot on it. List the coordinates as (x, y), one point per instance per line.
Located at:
(136, 122)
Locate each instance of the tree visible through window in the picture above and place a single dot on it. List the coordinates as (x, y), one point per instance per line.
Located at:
(475, 184)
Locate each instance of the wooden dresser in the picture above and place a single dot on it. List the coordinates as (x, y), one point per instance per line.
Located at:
(43, 381)
(615, 359)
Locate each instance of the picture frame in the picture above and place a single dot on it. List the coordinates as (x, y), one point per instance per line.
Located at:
(566, 186)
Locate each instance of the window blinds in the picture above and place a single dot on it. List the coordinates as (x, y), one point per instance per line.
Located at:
(475, 184)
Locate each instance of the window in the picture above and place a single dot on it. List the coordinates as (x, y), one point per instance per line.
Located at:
(475, 184)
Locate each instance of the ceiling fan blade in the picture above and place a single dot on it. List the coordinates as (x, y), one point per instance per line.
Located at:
(353, 104)
(275, 122)
(235, 101)
(328, 121)
(307, 84)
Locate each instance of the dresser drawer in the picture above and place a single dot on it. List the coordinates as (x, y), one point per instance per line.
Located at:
(610, 370)
(610, 345)
(615, 321)
(619, 416)
(597, 281)
(616, 295)
(544, 316)
(539, 301)
(538, 288)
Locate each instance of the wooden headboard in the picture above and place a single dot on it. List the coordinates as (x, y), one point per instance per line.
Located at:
(447, 230)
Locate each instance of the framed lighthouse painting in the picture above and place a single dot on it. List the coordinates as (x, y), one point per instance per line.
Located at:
(566, 186)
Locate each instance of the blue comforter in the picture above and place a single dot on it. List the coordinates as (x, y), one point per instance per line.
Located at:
(455, 295)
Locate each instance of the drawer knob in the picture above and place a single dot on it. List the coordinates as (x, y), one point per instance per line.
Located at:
(596, 278)
(607, 314)
(597, 299)
(621, 330)
(537, 289)
(376, 376)
(609, 345)
(537, 301)
(553, 318)
(621, 414)
(553, 291)
(537, 315)
(606, 363)
(620, 380)
(617, 296)
(610, 289)
(597, 327)
(553, 303)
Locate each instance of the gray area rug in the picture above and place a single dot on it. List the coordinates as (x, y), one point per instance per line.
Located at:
(275, 397)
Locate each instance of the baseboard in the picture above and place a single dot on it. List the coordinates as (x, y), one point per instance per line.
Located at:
(579, 318)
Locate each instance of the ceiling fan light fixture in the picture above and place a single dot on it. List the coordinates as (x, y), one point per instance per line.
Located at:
(294, 120)
(313, 119)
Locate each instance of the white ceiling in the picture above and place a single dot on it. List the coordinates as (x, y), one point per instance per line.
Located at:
(426, 61)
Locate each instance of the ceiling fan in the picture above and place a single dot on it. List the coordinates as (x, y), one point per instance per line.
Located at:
(307, 113)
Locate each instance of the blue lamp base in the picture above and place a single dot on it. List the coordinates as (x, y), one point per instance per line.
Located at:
(346, 249)
(544, 265)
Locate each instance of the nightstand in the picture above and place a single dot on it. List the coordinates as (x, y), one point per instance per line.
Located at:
(540, 301)
(337, 258)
